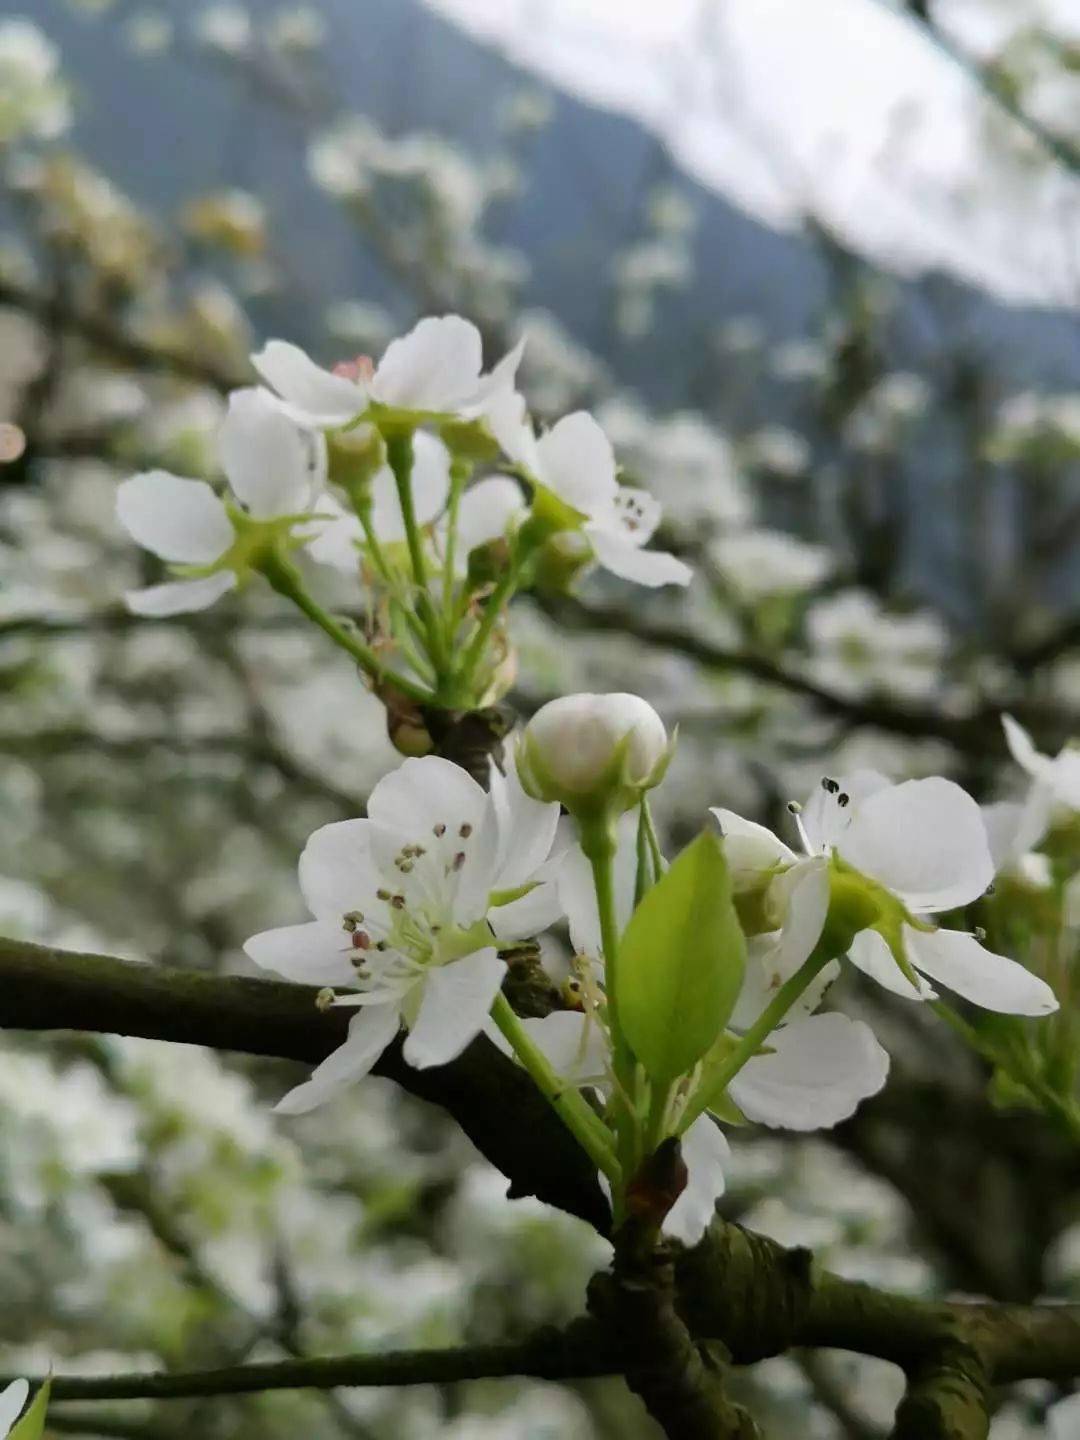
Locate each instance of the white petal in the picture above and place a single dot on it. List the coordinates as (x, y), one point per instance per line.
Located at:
(508, 422)
(820, 1069)
(337, 872)
(705, 1150)
(318, 953)
(273, 466)
(1014, 827)
(957, 960)
(336, 542)
(526, 829)
(749, 848)
(870, 954)
(635, 513)
(824, 819)
(457, 1001)
(925, 841)
(1022, 748)
(180, 520)
(433, 367)
(531, 914)
(179, 597)
(370, 1031)
(12, 1401)
(487, 512)
(314, 395)
(491, 388)
(577, 462)
(651, 568)
(422, 793)
(577, 893)
(800, 896)
(575, 1046)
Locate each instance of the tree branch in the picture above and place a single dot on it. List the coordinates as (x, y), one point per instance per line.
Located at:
(740, 1289)
(60, 316)
(995, 88)
(977, 732)
(491, 1098)
(581, 1351)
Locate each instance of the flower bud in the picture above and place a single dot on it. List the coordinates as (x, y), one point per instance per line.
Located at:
(594, 752)
(355, 457)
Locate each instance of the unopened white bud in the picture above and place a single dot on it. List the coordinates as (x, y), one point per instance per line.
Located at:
(589, 749)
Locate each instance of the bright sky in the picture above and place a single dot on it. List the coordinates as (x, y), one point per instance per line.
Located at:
(837, 107)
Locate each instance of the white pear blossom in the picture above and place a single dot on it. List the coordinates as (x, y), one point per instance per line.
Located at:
(574, 461)
(1059, 774)
(336, 543)
(572, 744)
(436, 369)
(1013, 827)
(924, 846)
(277, 472)
(407, 910)
(760, 563)
(12, 1401)
(815, 1069)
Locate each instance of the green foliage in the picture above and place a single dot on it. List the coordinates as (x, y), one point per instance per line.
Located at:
(681, 963)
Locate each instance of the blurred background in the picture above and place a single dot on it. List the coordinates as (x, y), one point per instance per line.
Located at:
(816, 268)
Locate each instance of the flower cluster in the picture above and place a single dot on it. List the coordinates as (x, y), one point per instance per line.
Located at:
(695, 991)
(373, 469)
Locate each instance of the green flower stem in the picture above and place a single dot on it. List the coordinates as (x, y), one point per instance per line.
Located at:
(584, 1124)
(493, 607)
(598, 841)
(399, 454)
(287, 580)
(385, 569)
(459, 473)
(650, 835)
(1018, 1067)
(711, 1091)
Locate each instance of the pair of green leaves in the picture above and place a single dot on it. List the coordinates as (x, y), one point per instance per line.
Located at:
(681, 963)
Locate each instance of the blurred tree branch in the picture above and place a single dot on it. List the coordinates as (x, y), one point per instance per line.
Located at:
(994, 86)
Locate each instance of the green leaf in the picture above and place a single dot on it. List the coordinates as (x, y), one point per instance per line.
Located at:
(681, 963)
(32, 1424)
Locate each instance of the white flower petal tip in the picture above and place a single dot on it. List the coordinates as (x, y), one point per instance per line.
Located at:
(820, 1068)
(181, 521)
(180, 597)
(456, 1003)
(370, 1031)
(706, 1152)
(12, 1400)
(317, 953)
(994, 982)
(308, 394)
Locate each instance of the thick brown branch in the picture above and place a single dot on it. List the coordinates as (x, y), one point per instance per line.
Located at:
(490, 1098)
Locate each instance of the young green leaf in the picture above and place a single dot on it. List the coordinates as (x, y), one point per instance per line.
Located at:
(32, 1424)
(681, 963)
